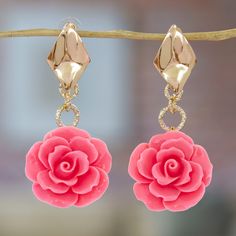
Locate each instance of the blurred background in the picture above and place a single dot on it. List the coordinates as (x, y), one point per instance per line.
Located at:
(120, 97)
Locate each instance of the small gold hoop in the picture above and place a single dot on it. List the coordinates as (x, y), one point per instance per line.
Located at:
(67, 107)
(172, 110)
(175, 96)
(68, 94)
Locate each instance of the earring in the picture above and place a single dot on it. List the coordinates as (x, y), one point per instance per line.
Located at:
(171, 172)
(68, 167)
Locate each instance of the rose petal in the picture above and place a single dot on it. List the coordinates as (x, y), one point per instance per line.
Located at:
(196, 176)
(67, 132)
(46, 183)
(69, 182)
(59, 200)
(104, 157)
(87, 181)
(186, 200)
(48, 147)
(200, 156)
(146, 162)
(185, 175)
(176, 135)
(166, 154)
(84, 145)
(83, 165)
(97, 191)
(160, 177)
(142, 193)
(180, 143)
(58, 153)
(168, 193)
(158, 139)
(132, 169)
(33, 165)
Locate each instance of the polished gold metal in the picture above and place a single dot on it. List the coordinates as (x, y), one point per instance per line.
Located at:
(175, 59)
(68, 58)
(172, 108)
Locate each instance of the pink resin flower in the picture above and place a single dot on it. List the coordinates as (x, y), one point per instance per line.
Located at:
(171, 172)
(68, 168)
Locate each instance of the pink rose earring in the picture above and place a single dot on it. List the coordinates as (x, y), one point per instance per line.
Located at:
(68, 167)
(171, 172)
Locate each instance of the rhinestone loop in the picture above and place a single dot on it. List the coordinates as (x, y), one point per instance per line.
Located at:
(67, 107)
(172, 110)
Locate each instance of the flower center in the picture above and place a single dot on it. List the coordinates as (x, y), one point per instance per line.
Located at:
(65, 166)
(65, 169)
(172, 167)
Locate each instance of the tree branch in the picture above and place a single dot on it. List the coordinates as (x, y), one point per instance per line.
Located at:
(123, 34)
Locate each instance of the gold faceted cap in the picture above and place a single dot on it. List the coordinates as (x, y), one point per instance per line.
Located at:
(175, 58)
(68, 58)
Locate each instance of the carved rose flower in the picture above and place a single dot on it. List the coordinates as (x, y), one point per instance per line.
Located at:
(68, 168)
(171, 172)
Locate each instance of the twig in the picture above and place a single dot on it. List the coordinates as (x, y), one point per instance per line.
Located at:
(124, 34)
